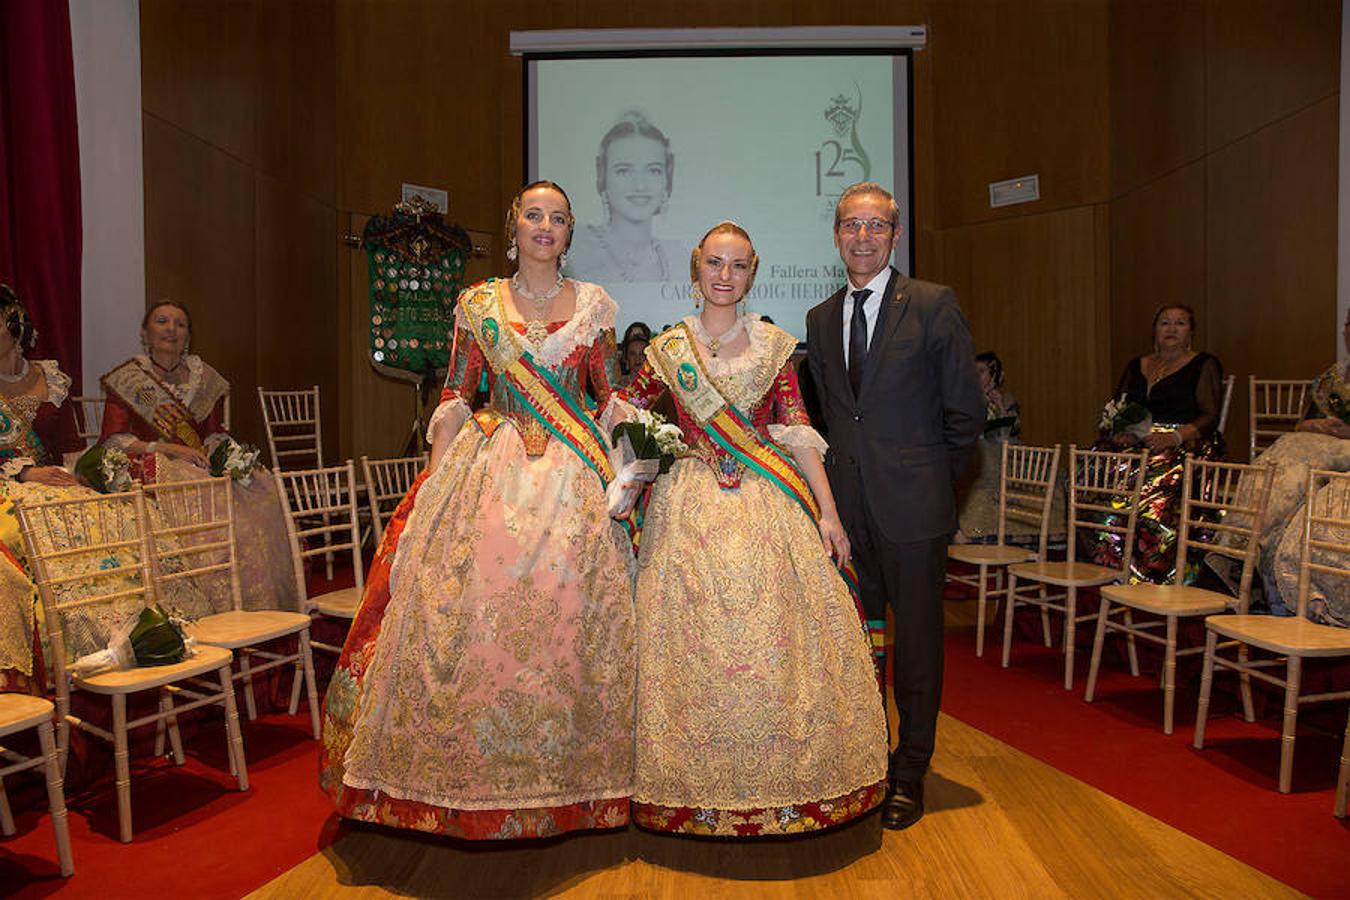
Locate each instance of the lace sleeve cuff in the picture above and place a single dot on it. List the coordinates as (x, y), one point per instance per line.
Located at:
(798, 437)
(443, 411)
(11, 468)
(617, 410)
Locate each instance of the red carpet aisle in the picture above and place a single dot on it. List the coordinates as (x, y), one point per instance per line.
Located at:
(195, 835)
(1223, 795)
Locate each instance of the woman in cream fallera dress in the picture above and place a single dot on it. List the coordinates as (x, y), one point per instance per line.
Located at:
(758, 708)
(486, 687)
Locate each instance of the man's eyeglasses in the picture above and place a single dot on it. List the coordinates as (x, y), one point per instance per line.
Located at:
(875, 226)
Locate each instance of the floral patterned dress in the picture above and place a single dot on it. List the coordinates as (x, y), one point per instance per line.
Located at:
(486, 687)
(52, 420)
(758, 709)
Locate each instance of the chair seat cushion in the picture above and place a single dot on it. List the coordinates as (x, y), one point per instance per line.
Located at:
(1066, 574)
(243, 628)
(205, 659)
(19, 712)
(989, 554)
(1168, 599)
(1283, 634)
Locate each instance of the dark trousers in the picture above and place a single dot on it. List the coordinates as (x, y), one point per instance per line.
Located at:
(907, 577)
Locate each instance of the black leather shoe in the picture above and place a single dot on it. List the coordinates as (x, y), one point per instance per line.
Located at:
(904, 804)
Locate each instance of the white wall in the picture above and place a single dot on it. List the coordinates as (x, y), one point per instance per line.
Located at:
(106, 39)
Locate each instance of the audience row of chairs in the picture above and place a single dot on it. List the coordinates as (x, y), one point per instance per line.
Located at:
(107, 557)
(1223, 508)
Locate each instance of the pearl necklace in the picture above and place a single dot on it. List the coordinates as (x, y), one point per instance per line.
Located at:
(536, 330)
(518, 286)
(726, 337)
(19, 376)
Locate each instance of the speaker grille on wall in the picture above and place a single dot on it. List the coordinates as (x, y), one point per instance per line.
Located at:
(1015, 190)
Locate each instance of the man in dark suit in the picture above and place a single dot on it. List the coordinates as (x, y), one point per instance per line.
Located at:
(894, 365)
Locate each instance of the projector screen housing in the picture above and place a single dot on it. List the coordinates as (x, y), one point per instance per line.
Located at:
(656, 146)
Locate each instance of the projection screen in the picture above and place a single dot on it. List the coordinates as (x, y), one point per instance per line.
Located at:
(654, 147)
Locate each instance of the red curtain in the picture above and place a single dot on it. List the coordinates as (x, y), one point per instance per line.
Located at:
(40, 230)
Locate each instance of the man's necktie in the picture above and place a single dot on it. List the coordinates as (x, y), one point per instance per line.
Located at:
(857, 340)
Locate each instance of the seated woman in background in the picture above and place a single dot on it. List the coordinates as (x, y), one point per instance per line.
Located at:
(1183, 390)
(1329, 402)
(165, 410)
(37, 427)
(1319, 442)
(979, 494)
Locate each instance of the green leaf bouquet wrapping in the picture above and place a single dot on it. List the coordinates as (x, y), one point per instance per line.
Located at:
(1125, 417)
(153, 639)
(651, 437)
(647, 446)
(237, 460)
(105, 469)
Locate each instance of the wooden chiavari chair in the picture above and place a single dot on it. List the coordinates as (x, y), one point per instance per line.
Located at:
(1277, 406)
(1225, 403)
(1292, 639)
(1227, 500)
(387, 481)
(294, 433)
(88, 417)
(18, 713)
(1103, 487)
(94, 554)
(294, 430)
(192, 537)
(1026, 494)
(320, 504)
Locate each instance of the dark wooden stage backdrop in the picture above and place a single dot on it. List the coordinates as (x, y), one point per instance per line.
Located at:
(1187, 151)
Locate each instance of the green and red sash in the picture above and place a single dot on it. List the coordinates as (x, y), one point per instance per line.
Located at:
(150, 400)
(17, 437)
(682, 369)
(563, 415)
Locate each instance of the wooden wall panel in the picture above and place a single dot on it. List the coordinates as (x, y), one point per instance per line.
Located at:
(1157, 257)
(1157, 88)
(1266, 59)
(199, 243)
(1019, 88)
(417, 90)
(297, 100)
(270, 125)
(238, 109)
(296, 286)
(1271, 261)
(1032, 289)
(201, 69)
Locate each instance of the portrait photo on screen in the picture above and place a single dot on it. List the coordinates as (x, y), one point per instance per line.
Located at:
(654, 151)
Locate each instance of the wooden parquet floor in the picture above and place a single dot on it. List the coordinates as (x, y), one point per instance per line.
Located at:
(999, 824)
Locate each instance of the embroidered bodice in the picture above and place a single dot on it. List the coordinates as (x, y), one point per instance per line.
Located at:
(49, 417)
(202, 394)
(580, 354)
(761, 382)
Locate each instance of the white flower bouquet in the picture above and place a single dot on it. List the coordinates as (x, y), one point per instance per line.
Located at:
(239, 461)
(1125, 417)
(647, 446)
(105, 469)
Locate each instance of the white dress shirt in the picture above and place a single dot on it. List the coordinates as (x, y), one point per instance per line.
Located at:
(871, 306)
